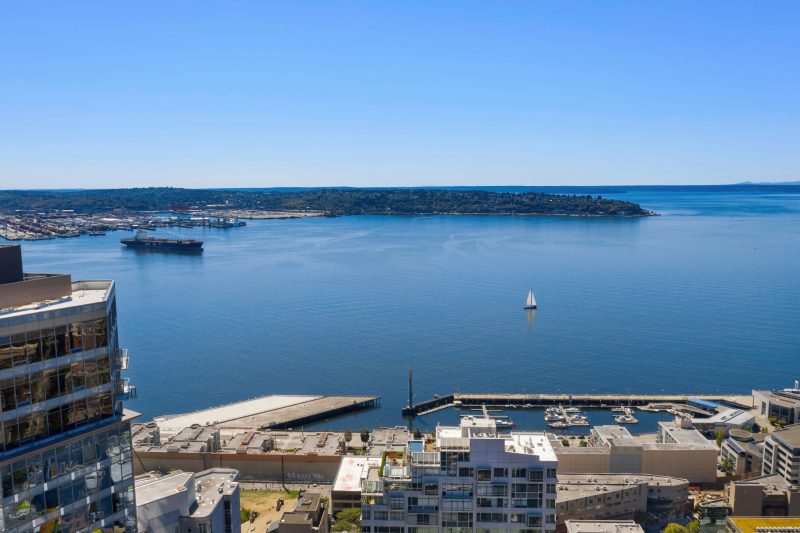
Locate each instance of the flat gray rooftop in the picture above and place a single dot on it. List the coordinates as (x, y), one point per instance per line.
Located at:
(789, 435)
(603, 526)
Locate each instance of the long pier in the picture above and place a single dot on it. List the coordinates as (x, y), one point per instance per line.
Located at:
(534, 401)
(268, 412)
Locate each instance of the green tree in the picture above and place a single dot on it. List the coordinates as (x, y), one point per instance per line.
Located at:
(693, 526)
(348, 436)
(564, 442)
(584, 444)
(244, 514)
(727, 466)
(719, 436)
(674, 528)
(348, 520)
(364, 436)
(417, 433)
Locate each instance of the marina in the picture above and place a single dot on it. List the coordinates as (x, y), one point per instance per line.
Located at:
(626, 417)
(575, 402)
(560, 417)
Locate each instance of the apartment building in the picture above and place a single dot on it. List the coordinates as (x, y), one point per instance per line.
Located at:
(471, 478)
(745, 451)
(782, 454)
(620, 496)
(763, 496)
(783, 406)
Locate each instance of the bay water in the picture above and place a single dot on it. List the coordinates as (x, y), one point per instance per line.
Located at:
(702, 299)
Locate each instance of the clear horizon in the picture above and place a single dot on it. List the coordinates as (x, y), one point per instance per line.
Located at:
(391, 186)
(356, 94)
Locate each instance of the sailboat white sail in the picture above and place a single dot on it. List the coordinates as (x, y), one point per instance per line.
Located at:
(530, 303)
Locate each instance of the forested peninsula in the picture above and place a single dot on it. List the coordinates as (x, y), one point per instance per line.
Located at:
(328, 201)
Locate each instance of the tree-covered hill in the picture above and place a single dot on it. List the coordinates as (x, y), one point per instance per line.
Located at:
(335, 201)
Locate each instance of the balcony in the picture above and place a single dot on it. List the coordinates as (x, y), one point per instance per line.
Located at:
(426, 458)
(126, 390)
(122, 360)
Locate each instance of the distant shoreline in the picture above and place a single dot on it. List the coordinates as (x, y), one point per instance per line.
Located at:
(330, 202)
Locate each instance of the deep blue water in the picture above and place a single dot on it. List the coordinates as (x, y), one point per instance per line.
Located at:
(705, 298)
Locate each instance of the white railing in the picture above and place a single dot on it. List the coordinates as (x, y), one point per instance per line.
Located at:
(123, 359)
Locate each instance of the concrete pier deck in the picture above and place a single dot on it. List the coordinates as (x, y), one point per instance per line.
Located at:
(268, 412)
(741, 401)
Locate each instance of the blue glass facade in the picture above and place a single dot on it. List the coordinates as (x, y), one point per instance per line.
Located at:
(65, 451)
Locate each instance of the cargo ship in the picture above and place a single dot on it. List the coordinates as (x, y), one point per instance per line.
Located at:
(142, 241)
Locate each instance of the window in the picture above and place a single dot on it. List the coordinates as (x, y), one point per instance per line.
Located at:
(484, 474)
(518, 472)
(534, 521)
(535, 474)
(492, 517)
(551, 472)
(464, 472)
(501, 472)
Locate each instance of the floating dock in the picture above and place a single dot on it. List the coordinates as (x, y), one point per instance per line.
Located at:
(268, 412)
(537, 401)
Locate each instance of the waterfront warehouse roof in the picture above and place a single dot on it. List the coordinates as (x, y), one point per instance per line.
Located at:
(615, 436)
(731, 417)
(685, 437)
(702, 403)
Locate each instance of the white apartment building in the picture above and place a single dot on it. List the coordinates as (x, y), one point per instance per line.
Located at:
(782, 454)
(472, 478)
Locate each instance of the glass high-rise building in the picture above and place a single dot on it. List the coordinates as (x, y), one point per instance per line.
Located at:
(65, 452)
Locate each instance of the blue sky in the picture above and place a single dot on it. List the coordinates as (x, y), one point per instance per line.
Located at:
(205, 94)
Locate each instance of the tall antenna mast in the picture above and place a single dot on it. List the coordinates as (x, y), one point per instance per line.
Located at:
(410, 388)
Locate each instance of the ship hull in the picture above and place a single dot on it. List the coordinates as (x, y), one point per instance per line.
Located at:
(176, 246)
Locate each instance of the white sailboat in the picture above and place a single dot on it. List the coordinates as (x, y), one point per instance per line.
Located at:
(530, 303)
